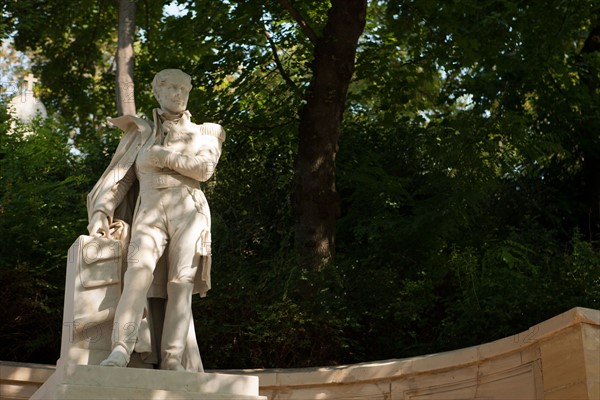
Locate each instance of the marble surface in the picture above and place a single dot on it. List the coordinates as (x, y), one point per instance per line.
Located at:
(72, 381)
(152, 183)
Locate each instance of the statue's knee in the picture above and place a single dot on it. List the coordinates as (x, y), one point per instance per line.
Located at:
(176, 289)
(139, 273)
(184, 275)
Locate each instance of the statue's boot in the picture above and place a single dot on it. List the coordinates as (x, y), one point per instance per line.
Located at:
(178, 316)
(117, 358)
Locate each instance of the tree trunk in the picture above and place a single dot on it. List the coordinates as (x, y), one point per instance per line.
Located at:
(126, 36)
(316, 200)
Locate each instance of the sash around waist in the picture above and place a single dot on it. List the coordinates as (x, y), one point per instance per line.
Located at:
(161, 181)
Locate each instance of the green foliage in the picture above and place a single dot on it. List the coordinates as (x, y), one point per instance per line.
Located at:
(41, 197)
(512, 285)
(76, 45)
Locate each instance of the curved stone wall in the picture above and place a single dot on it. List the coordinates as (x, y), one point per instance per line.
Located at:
(556, 359)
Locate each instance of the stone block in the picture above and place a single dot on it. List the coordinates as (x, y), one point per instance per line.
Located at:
(72, 381)
(509, 384)
(591, 354)
(563, 360)
(363, 391)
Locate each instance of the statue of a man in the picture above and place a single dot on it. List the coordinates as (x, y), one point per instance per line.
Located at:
(169, 252)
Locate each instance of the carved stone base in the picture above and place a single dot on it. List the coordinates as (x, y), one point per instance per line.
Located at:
(72, 381)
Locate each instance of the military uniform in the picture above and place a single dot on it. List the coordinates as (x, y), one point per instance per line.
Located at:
(171, 220)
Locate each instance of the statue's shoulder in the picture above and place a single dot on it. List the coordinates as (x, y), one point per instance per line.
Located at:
(130, 122)
(211, 129)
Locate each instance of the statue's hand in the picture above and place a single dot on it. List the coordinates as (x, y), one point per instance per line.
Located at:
(158, 155)
(98, 226)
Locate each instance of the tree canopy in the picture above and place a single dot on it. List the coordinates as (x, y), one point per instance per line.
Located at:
(465, 185)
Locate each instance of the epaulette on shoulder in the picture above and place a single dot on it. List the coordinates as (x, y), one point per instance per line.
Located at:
(211, 129)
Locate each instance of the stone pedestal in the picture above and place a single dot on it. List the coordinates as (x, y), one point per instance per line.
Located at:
(72, 381)
(93, 287)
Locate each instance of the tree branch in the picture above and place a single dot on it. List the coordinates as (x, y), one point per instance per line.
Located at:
(263, 127)
(308, 31)
(284, 74)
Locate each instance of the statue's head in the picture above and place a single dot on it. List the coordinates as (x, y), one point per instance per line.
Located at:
(171, 88)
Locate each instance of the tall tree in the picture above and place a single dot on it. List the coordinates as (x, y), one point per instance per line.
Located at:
(316, 199)
(124, 59)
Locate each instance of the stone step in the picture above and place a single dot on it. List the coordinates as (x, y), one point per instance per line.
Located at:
(78, 392)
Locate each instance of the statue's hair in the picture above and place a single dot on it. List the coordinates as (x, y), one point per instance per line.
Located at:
(171, 74)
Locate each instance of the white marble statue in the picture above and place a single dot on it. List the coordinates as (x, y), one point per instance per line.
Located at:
(152, 183)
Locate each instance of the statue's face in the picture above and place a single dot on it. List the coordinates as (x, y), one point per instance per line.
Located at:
(172, 96)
